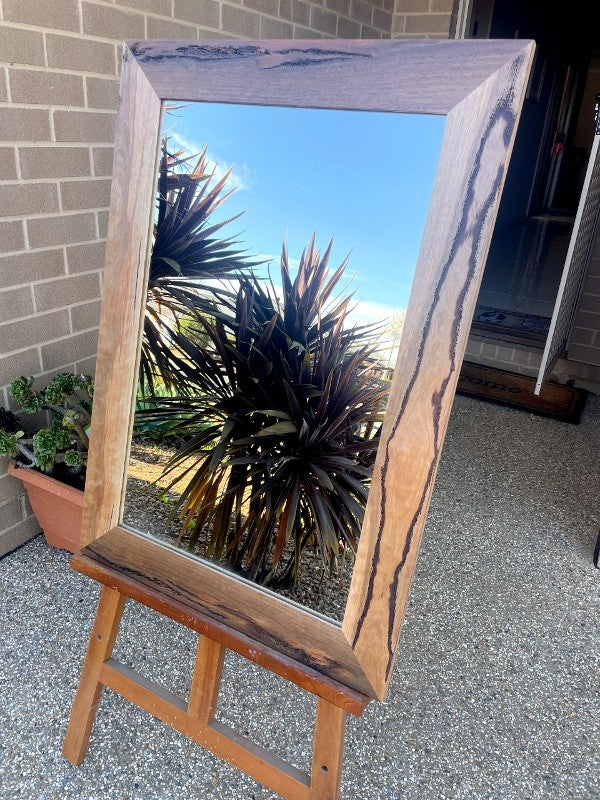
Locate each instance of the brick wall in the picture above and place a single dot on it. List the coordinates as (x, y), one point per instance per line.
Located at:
(59, 64)
(430, 19)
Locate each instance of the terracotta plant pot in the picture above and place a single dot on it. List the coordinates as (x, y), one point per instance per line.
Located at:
(57, 507)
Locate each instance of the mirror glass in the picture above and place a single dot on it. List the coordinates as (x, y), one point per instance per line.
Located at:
(284, 246)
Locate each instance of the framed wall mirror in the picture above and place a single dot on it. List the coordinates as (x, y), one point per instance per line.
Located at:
(296, 238)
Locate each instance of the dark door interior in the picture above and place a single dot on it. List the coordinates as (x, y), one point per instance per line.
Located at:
(547, 169)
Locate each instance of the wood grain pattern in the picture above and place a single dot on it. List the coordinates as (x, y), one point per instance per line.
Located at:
(451, 262)
(422, 76)
(192, 614)
(479, 85)
(328, 752)
(85, 706)
(206, 681)
(124, 289)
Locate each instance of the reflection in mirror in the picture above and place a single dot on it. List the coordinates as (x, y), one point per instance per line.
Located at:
(285, 242)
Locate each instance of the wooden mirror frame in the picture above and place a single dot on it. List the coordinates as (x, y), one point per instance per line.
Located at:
(479, 87)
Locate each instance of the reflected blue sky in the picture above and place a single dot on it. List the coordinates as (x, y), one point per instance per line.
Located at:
(363, 178)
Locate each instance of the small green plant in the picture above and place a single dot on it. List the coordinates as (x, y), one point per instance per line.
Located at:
(62, 446)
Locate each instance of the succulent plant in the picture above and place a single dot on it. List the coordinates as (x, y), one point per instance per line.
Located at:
(68, 401)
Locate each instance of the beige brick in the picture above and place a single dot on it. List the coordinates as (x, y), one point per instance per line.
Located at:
(339, 6)
(442, 5)
(264, 6)
(236, 20)
(45, 88)
(592, 285)
(367, 32)
(84, 126)
(168, 29)
(54, 162)
(85, 316)
(203, 12)
(19, 46)
(361, 11)
(398, 23)
(103, 160)
(275, 29)
(102, 93)
(60, 14)
(3, 92)
(85, 257)
(102, 223)
(11, 235)
(65, 291)
(69, 52)
(11, 513)
(348, 29)
(9, 487)
(520, 357)
(30, 266)
(588, 355)
(19, 534)
(321, 20)
(382, 20)
(86, 366)
(35, 330)
(67, 229)
(29, 198)
(24, 124)
(154, 6)
(27, 362)
(587, 319)
(300, 32)
(408, 6)
(8, 166)
(300, 12)
(589, 302)
(112, 23)
(428, 23)
(582, 336)
(66, 351)
(285, 9)
(15, 303)
(77, 195)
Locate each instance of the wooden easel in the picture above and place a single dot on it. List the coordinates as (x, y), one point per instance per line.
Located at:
(196, 716)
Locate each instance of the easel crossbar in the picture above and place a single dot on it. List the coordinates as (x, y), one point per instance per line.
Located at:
(220, 739)
(196, 717)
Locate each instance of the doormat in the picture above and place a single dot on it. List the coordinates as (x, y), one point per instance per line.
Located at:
(499, 319)
(557, 401)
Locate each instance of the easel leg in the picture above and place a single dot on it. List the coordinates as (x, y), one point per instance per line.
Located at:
(102, 640)
(206, 681)
(328, 752)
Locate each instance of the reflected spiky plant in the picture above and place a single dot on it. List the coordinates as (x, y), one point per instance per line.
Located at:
(293, 406)
(188, 250)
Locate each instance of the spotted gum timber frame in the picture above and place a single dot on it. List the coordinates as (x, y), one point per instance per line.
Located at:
(479, 87)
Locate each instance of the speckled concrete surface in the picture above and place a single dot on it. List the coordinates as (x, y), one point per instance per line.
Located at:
(495, 695)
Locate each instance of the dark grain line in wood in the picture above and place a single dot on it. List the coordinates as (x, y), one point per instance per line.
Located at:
(429, 77)
(187, 614)
(501, 115)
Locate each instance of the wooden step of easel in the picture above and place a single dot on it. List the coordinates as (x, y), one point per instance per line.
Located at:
(196, 717)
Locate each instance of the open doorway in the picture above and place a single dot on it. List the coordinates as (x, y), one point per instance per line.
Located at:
(546, 175)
